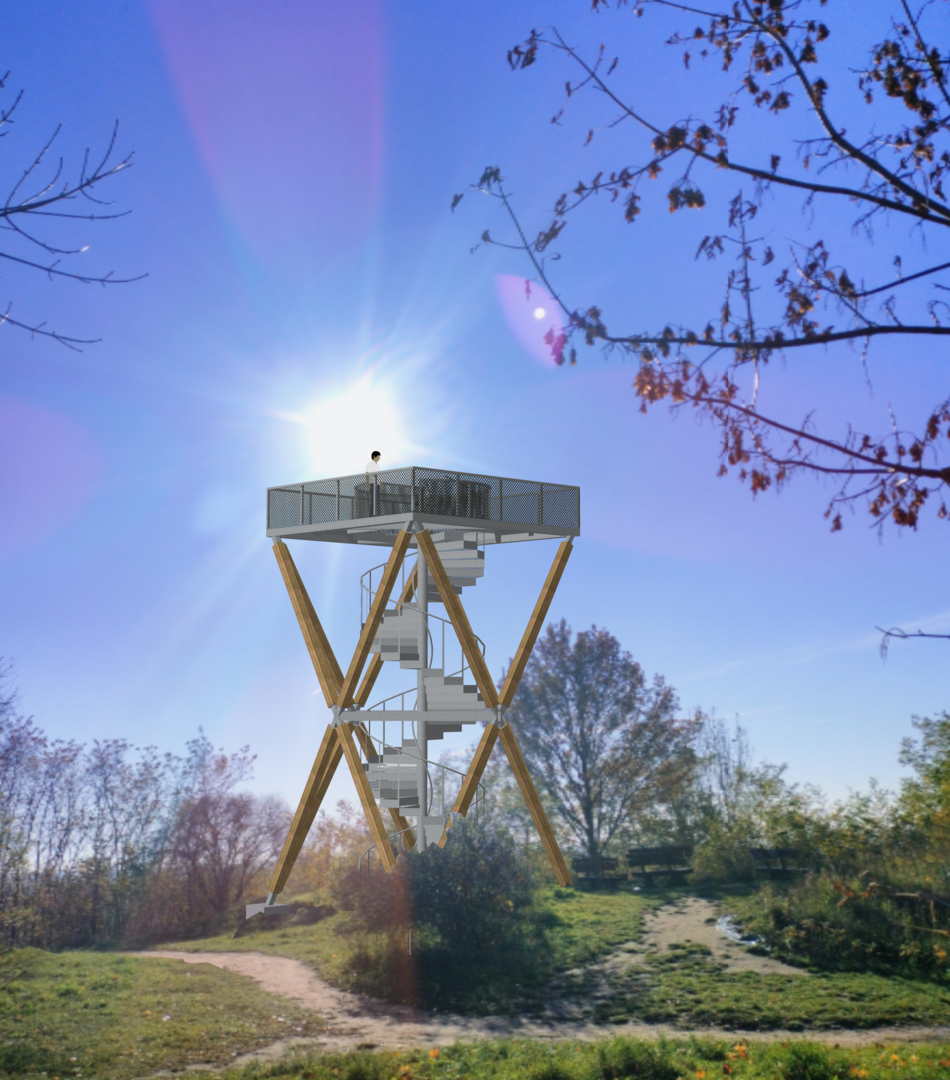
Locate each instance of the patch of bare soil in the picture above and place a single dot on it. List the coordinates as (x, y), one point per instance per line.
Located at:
(694, 920)
(357, 1022)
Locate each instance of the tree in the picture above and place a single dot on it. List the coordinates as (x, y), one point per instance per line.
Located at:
(925, 797)
(602, 743)
(43, 195)
(220, 838)
(774, 57)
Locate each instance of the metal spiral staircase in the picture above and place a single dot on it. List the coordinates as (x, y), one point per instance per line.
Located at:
(401, 776)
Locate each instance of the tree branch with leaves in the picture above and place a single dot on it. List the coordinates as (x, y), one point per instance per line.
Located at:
(772, 54)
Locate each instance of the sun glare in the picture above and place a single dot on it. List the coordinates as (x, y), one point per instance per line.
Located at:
(343, 429)
(539, 313)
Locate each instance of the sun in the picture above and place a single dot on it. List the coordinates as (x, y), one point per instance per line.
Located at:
(343, 429)
(333, 425)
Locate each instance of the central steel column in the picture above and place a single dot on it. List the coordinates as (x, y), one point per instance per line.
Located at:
(422, 602)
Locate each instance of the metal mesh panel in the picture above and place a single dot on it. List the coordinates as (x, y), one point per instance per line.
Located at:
(519, 502)
(452, 494)
(283, 507)
(319, 502)
(562, 507)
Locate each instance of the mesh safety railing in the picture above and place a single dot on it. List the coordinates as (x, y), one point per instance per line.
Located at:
(436, 492)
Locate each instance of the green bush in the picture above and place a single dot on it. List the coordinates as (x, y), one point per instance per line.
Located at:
(477, 934)
(837, 925)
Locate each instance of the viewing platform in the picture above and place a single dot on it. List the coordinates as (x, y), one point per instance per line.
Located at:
(348, 510)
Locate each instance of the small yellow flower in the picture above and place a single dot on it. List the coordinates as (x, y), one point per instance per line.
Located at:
(434, 1053)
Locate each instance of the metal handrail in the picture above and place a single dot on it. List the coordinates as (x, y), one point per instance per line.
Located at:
(368, 589)
(426, 615)
(481, 793)
(402, 693)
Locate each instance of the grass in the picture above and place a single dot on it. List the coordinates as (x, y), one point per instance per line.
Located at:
(88, 1014)
(328, 946)
(684, 986)
(687, 987)
(587, 926)
(581, 927)
(663, 1059)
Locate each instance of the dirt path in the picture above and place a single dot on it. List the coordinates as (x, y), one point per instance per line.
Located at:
(694, 920)
(357, 1022)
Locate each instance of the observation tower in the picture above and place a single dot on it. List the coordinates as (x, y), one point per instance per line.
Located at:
(447, 521)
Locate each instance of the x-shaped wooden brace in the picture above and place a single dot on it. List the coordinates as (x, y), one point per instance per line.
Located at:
(338, 690)
(499, 729)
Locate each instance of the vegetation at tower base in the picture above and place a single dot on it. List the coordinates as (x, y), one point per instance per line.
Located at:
(810, 152)
(40, 190)
(867, 906)
(604, 744)
(478, 935)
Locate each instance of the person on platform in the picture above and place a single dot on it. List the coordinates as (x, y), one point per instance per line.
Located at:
(372, 480)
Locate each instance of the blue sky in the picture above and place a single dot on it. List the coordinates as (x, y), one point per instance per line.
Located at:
(310, 294)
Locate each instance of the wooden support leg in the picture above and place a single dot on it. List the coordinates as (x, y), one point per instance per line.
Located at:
(473, 776)
(534, 624)
(459, 620)
(370, 809)
(406, 834)
(321, 655)
(398, 553)
(324, 766)
(541, 823)
(375, 665)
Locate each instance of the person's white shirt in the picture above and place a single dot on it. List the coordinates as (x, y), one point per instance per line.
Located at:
(371, 467)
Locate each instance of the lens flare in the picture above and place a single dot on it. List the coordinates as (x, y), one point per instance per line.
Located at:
(530, 320)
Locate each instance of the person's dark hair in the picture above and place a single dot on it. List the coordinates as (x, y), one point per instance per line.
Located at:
(374, 455)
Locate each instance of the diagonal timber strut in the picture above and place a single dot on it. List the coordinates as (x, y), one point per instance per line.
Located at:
(540, 818)
(321, 655)
(459, 620)
(370, 809)
(530, 636)
(324, 766)
(380, 600)
(493, 731)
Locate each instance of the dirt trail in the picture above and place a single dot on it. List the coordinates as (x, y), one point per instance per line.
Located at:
(693, 919)
(357, 1022)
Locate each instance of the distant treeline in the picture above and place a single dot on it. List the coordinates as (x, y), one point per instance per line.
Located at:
(104, 842)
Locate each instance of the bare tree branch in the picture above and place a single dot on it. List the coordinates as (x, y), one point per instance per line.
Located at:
(36, 197)
(904, 635)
